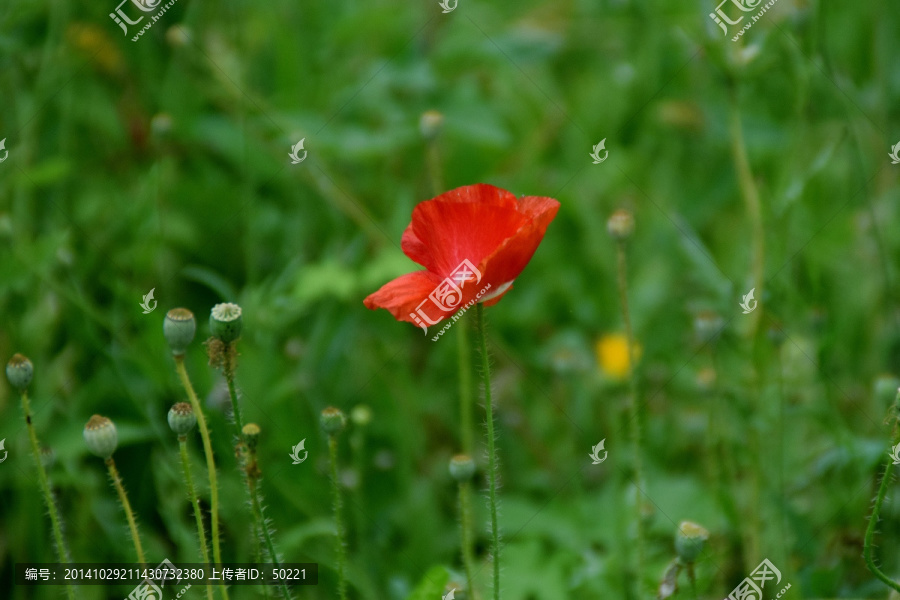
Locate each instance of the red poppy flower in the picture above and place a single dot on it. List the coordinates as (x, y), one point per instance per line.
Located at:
(473, 242)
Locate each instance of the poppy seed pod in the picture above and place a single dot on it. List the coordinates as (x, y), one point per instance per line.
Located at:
(251, 433)
(179, 328)
(430, 124)
(100, 436)
(332, 420)
(225, 322)
(462, 467)
(621, 224)
(690, 540)
(19, 371)
(182, 418)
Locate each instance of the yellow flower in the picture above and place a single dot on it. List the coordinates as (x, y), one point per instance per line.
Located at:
(612, 355)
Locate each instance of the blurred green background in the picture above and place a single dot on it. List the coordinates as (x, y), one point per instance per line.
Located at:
(163, 164)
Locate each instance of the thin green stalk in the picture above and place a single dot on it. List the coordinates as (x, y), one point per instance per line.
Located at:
(228, 369)
(465, 525)
(692, 577)
(198, 517)
(210, 463)
(492, 451)
(634, 415)
(338, 521)
(61, 549)
(258, 517)
(129, 514)
(869, 542)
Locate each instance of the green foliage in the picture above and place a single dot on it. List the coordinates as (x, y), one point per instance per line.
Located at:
(163, 164)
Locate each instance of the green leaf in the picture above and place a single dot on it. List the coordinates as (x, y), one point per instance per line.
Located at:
(431, 586)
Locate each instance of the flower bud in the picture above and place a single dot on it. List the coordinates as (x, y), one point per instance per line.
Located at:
(225, 322)
(251, 434)
(100, 436)
(620, 225)
(182, 418)
(430, 124)
(179, 328)
(19, 371)
(462, 467)
(689, 541)
(332, 420)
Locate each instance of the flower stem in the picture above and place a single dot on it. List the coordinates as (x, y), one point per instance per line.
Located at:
(634, 415)
(869, 542)
(129, 514)
(492, 451)
(338, 521)
(210, 463)
(693, 579)
(201, 531)
(61, 549)
(256, 505)
(465, 524)
(228, 369)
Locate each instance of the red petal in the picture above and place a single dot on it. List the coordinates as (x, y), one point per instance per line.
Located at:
(402, 295)
(467, 223)
(509, 259)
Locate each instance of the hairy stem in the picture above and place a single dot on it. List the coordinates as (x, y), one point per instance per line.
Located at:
(198, 517)
(252, 480)
(61, 549)
(228, 369)
(129, 514)
(210, 463)
(869, 542)
(338, 520)
(634, 415)
(492, 451)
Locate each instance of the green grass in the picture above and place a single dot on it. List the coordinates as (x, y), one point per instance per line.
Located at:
(103, 198)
